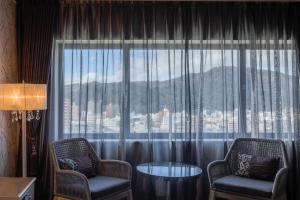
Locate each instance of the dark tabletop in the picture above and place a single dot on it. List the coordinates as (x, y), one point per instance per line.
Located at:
(170, 170)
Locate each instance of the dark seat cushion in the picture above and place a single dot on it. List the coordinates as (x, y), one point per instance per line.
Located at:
(101, 186)
(242, 185)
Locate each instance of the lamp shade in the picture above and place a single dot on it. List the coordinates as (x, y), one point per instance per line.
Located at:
(21, 96)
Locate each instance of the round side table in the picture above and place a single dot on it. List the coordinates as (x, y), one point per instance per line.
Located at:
(172, 173)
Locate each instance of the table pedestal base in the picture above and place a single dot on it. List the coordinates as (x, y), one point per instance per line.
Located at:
(188, 190)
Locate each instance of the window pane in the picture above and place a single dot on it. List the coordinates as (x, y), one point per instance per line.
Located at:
(269, 92)
(92, 91)
(151, 78)
(159, 85)
(220, 95)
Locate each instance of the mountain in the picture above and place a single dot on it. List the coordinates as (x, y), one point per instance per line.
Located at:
(220, 87)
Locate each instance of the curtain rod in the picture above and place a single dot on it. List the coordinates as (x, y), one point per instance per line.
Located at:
(192, 41)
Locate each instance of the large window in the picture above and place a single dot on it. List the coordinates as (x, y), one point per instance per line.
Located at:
(162, 90)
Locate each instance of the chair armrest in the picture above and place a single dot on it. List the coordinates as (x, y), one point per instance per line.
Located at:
(217, 169)
(72, 184)
(115, 168)
(279, 186)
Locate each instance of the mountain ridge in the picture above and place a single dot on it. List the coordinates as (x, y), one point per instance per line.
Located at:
(213, 97)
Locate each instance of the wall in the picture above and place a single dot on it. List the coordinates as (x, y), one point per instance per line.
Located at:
(8, 74)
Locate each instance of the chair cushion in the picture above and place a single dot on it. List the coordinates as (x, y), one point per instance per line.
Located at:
(264, 168)
(257, 167)
(101, 186)
(81, 164)
(243, 164)
(242, 185)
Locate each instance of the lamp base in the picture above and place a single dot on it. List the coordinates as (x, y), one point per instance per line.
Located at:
(24, 145)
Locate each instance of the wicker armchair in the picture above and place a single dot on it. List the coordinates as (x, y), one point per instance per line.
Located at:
(113, 178)
(224, 184)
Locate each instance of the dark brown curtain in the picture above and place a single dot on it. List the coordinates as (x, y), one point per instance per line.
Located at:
(36, 28)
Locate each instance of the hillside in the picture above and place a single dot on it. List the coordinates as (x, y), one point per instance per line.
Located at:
(217, 88)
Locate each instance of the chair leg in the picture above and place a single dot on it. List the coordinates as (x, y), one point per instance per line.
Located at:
(211, 195)
(129, 197)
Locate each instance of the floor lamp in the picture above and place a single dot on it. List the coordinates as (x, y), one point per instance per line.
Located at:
(22, 99)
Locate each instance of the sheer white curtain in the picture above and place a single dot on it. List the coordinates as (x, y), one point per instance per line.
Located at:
(174, 82)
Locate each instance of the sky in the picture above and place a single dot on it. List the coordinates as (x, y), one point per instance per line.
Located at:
(106, 65)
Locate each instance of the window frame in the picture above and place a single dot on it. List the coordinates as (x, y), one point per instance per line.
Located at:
(126, 46)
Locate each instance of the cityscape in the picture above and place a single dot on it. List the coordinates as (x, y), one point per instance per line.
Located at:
(164, 121)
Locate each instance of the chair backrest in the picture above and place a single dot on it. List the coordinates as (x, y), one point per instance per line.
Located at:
(72, 148)
(256, 147)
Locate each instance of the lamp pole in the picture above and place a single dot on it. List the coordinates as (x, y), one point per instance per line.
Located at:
(24, 146)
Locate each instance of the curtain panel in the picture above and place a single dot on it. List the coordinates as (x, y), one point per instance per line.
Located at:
(37, 23)
(149, 81)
